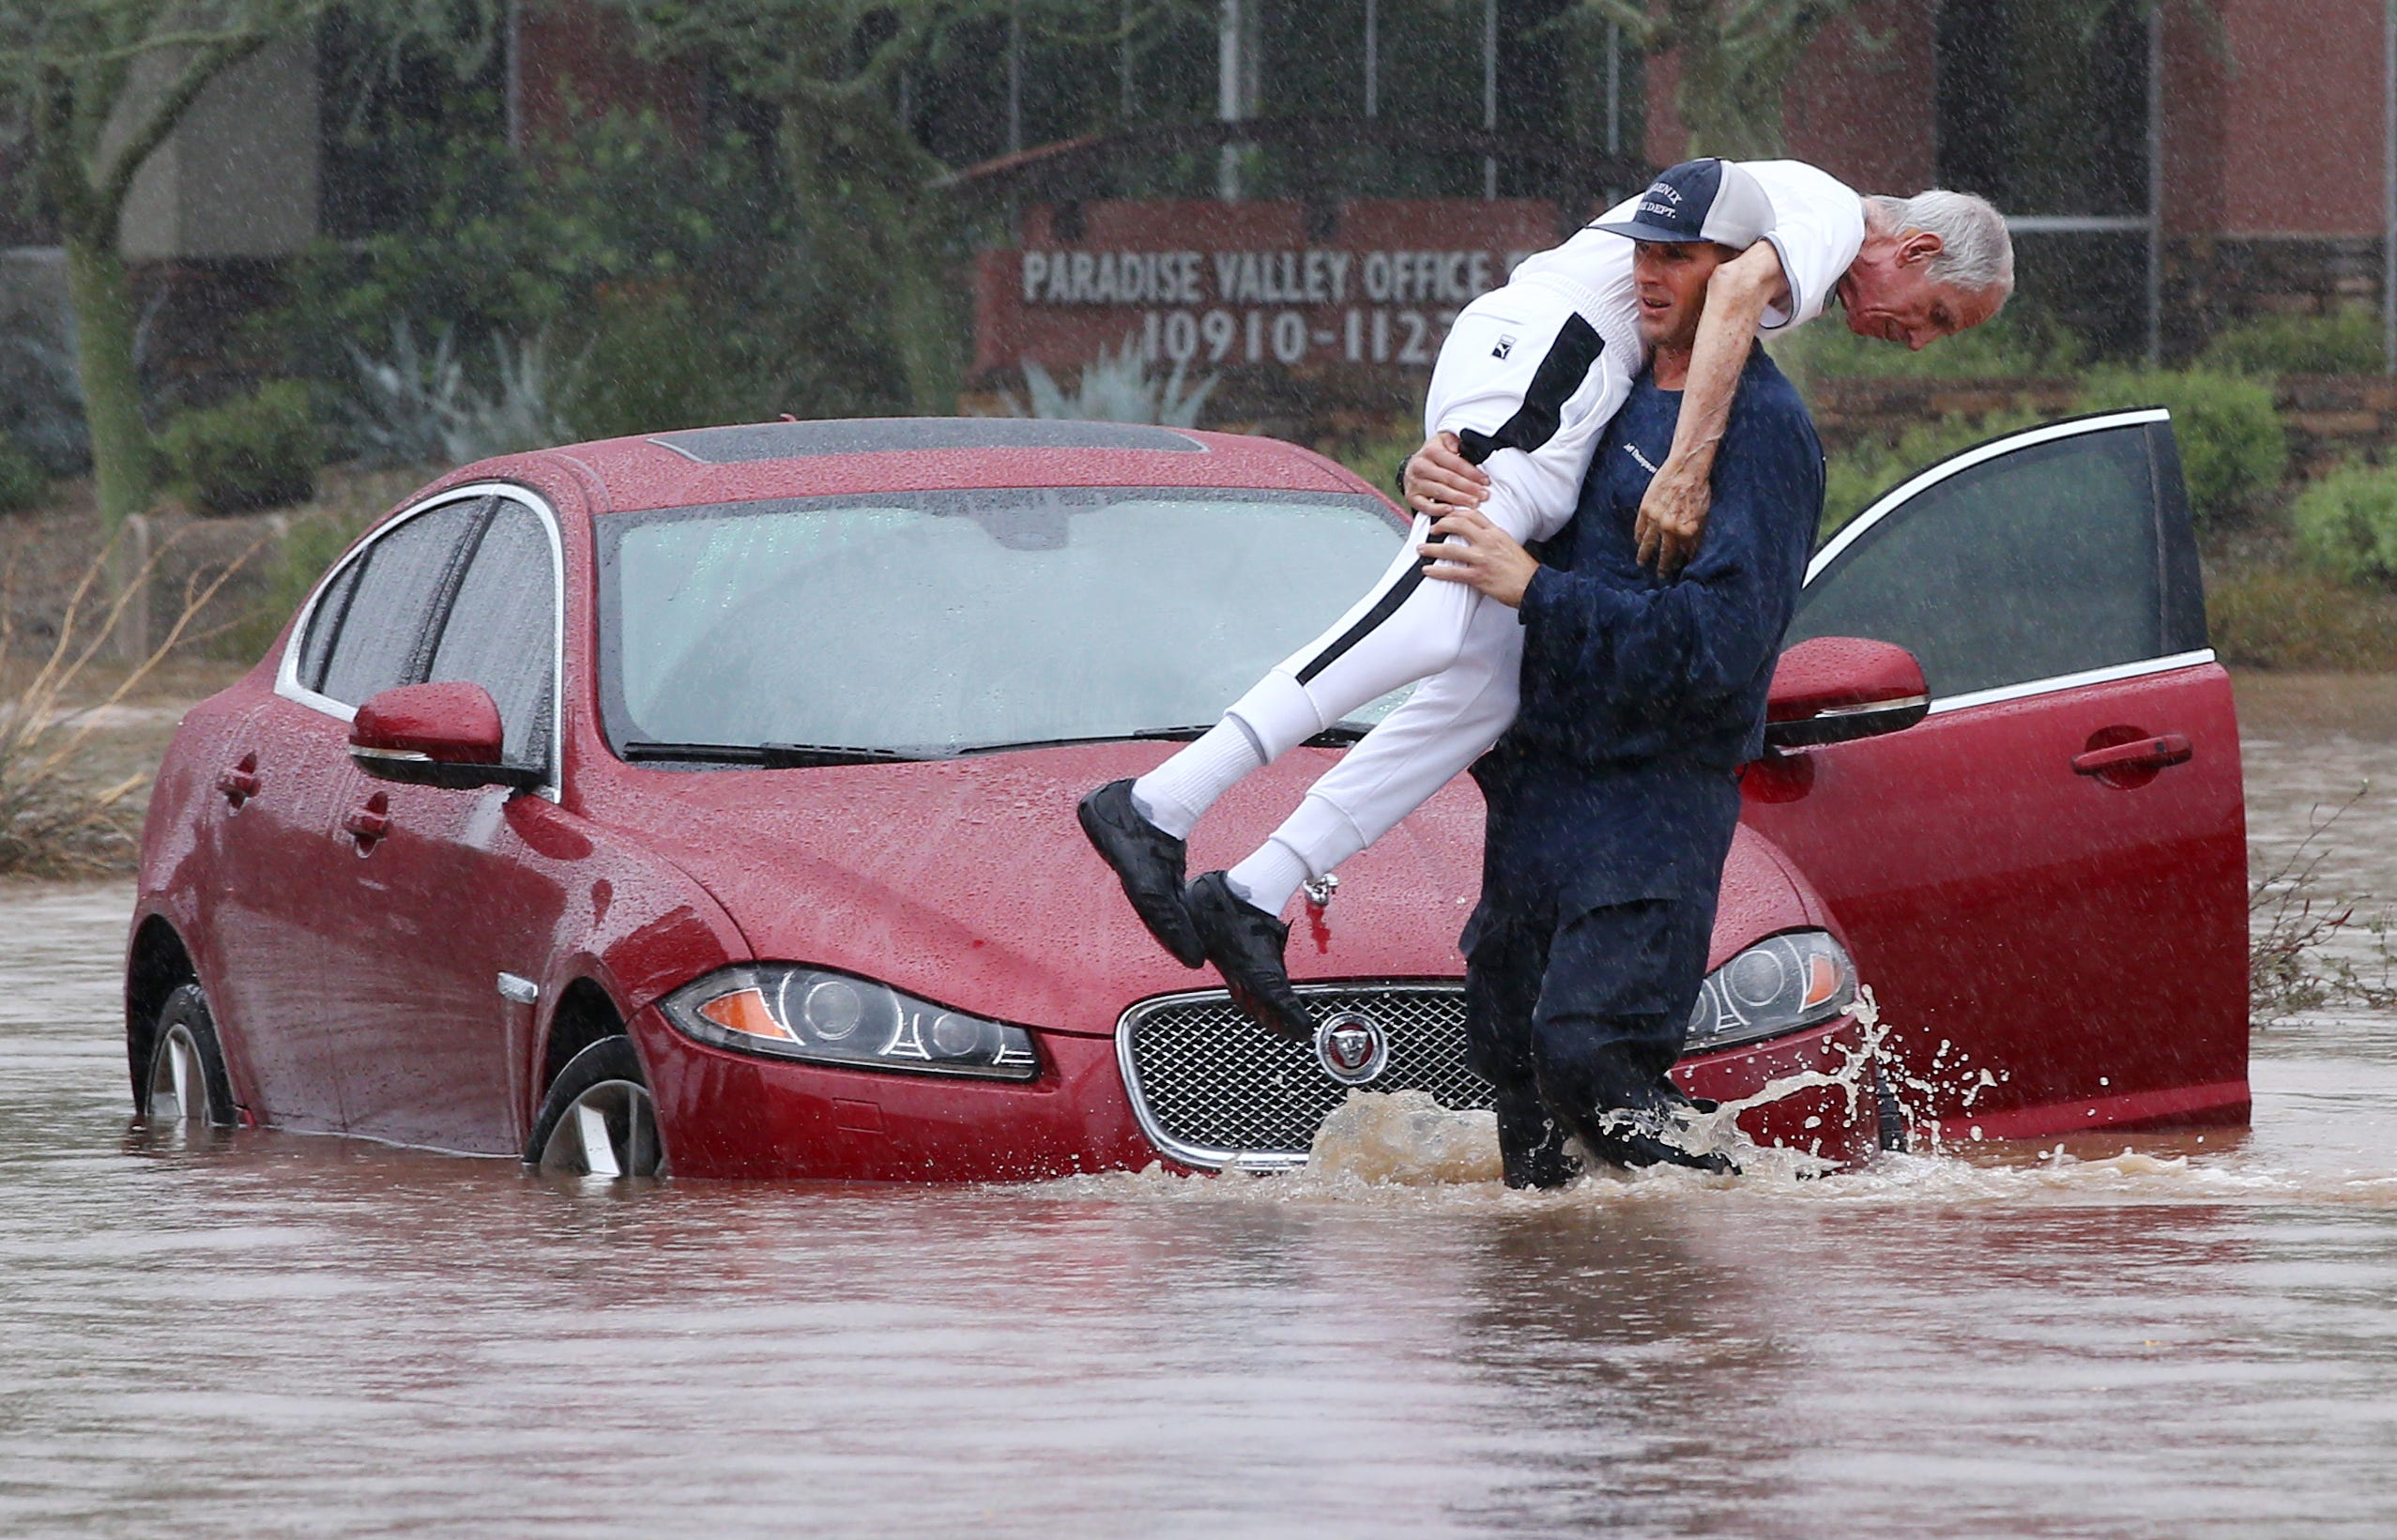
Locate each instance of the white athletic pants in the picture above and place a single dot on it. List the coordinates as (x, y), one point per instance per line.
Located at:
(1527, 383)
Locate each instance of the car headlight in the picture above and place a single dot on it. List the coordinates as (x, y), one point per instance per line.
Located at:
(1783, 983)
(783, 1010)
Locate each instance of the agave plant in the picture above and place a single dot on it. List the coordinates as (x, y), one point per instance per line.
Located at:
(402, 412)
(1115, 387)
(416, 407)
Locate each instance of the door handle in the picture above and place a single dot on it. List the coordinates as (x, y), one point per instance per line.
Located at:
(240, 783)
(368, 824)
(2161, 752)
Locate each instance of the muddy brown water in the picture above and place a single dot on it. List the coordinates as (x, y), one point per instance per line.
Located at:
(275, 1335)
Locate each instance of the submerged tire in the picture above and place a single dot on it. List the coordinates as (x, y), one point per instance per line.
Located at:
(185, 1082)
(598, 1119)
(1892, 1116)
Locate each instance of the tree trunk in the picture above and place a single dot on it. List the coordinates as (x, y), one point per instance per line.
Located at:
(923, 320)
(124, 458)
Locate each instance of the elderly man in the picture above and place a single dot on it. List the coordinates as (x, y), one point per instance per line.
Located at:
(1613, 796)
(1526, 379)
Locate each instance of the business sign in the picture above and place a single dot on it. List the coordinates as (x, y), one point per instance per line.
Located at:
(1373, 285)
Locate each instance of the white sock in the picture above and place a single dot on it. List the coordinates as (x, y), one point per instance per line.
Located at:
(1175, 793)
(1269, 878)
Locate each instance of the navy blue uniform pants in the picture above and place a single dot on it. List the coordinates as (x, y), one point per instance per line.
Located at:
(1583, 1011)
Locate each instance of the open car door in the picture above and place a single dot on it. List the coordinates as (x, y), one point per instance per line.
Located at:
(2044, 882)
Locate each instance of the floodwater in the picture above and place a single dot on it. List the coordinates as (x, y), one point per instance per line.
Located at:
(272, 1335)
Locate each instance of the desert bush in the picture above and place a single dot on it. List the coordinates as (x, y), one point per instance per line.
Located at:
(2233, 450)
(2262, 614)
(675, 276)
(662, 356)
(1377, 460)
(2346, 523)
(55, 822)
(2347, 341)
(259, 450)
(2296, 928)
(1854, 478)
(23, 483)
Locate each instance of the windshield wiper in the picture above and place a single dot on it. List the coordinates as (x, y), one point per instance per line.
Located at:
(1337, 736)
(768, 755)
(1180, 735)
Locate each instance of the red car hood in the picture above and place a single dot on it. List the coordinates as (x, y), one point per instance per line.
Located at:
(968, 881)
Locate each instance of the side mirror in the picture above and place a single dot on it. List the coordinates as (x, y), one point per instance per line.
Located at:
(435, 734)
(1834, 688)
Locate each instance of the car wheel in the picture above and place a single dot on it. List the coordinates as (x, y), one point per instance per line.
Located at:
(1892, 1115)
(598, 1119)
(186, 1083)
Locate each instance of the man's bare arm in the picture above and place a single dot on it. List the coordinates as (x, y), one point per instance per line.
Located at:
(1672, 515)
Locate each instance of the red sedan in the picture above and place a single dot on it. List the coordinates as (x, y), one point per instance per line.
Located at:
(706, 802)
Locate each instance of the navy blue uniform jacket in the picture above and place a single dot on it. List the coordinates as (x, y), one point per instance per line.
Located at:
(1642, 699)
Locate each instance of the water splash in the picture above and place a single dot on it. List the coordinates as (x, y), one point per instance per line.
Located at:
(1405, 1137)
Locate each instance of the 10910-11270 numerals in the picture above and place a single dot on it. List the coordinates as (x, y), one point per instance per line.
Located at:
(1360, 334)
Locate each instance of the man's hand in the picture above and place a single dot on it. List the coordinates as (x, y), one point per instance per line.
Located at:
(1439, 478)
(1673, 516)
(1479, 554)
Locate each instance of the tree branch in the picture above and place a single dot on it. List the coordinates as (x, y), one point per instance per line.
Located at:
(111, 186)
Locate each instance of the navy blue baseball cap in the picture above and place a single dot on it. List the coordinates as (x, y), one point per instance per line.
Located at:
(1699, 200)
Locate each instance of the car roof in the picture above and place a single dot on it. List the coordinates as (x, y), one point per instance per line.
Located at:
(792, 459)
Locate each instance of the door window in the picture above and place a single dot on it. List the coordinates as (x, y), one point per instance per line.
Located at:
(407, 577)
(325, 624)
(501, 628)
(2053, 559)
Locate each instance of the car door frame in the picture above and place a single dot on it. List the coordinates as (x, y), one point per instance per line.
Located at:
(2189, 681)
(2180, 588)
(430, 811)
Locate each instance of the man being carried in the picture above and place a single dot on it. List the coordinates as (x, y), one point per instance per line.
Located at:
(1613, 796)
(1527, 377)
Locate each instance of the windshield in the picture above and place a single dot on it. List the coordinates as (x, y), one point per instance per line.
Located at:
(939, 622)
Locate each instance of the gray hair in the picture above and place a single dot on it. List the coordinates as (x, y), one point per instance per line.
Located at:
(1977, 253)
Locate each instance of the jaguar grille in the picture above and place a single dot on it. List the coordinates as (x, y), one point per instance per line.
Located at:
(1211, 1087)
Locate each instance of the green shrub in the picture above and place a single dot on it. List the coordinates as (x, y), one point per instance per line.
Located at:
(23, 484)
(1378, 459)
(2232, 448)
(2270, 616)
(2345, 343)
(687, 282)
(2014, 345)
(2346, 523)
(1855, 477)
(657, 357)
(260, 451)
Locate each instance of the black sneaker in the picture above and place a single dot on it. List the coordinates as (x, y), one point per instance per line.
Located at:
(1634, 1137)
(1247, 944)
(1148, 861)
(1531, 1143)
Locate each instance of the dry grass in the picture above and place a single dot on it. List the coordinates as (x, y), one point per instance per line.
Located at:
(2293, 926)
(56, 819)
